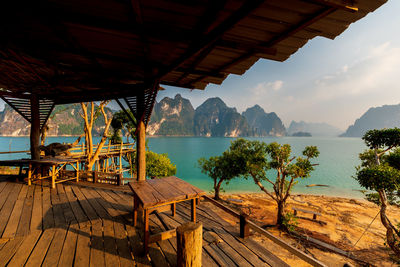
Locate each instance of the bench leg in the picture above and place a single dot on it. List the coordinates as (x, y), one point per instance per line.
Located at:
(30, 174)
(146, 232)
(135, 210)
(53, 177)
(314, 216)
(173, 208)
(193, 210)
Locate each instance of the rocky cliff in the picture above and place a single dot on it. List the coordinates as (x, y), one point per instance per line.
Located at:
(64, 120)
(214, 118)
(387, 116)
(262, 123)
(172, 116)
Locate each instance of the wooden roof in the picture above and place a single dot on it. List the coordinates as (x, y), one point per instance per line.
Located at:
(74, 50)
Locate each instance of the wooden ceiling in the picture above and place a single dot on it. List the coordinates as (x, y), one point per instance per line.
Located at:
(86, 50)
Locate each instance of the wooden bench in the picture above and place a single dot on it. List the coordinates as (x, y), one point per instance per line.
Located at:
(314, 213)
(162, 194)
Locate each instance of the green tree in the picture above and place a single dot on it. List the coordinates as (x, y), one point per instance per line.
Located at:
(221, 169)
(122, 125)
(380, 171)
(257, 158)
(157, 165)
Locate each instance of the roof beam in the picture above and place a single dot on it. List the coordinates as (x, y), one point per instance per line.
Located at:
(275, 40)
(203, 42)
(342, 6)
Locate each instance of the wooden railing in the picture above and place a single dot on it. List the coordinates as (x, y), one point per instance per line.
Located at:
(246, 225)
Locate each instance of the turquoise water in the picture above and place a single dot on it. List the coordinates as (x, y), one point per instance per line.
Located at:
(337, 160)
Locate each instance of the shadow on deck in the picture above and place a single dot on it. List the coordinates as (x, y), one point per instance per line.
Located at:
(82, 225)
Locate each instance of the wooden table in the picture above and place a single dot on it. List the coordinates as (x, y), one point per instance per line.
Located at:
(55, 164)
(162, 195)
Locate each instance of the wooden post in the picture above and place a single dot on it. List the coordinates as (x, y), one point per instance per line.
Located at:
(189, 239)
(141, 152)
(53, 176)
(120, 156)
(77, 171)
(35, 128)
(193, 210)
(244, 226)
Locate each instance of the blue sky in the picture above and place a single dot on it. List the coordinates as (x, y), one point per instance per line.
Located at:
(333, 81)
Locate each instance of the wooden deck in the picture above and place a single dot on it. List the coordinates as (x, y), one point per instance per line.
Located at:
(81, 226)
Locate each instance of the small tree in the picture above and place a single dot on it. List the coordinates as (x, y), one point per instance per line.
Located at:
(157, 165)
(122, 123)
(89, 118)
(380, 171)
(256, 158)
(220, 169)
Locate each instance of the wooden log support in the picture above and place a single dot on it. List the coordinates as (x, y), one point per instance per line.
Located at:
(141, 151)
(244, 226)
(189, 239)
(173, 209)
(35, 128)
(146, 232)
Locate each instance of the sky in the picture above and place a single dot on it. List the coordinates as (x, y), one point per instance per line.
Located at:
(332, 81)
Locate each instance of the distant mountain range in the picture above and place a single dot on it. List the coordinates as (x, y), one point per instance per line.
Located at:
(315, 129)
(65, 120)
(387, 116)
(176, 116)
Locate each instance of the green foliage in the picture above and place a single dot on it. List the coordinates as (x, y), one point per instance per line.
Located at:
(157, 165)
(256, 158)
(382, 177)
(382, 138)
(122, 123)
(290, 221)
(221, 169)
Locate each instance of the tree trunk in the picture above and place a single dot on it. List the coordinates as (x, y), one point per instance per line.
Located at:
(280, 214)
(390, 233)
(217, 188)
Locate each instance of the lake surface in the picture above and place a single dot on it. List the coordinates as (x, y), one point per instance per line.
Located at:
(337, 160)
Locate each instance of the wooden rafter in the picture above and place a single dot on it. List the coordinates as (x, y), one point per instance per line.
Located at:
(280, 37)
(345, 5)
(210, 38)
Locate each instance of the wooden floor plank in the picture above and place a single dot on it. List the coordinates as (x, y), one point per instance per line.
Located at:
(167, 248)
(82, 254)
(110, 246)
(67, 209)
(2, 186)
(26, 215)
(40, 250)
(8, 206)
(58, 212)
(125, 256)
(37, 210)
(219, 256)
(48, 216)
(97, 246)
(4, 194)
(136, 245)
(54, 251)
(87, 208)
(15, 216)
(24, 251)
(239, 248)
(69, 248)
(9, 249)
(79, 214)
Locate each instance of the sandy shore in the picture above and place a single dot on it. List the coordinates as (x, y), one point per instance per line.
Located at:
(344, 222)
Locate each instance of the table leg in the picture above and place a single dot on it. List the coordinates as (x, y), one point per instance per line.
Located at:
(30, 174)
(135, 208)
(193, 210)
(173, 208)
(53, 176)
(77, 171)
(146, 231)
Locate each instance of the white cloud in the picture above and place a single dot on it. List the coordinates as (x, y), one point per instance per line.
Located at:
(265, 87)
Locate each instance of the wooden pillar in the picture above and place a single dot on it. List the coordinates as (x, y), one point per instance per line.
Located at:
(244, 226)
(35, 128)
(189, 239)
(141, 152)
